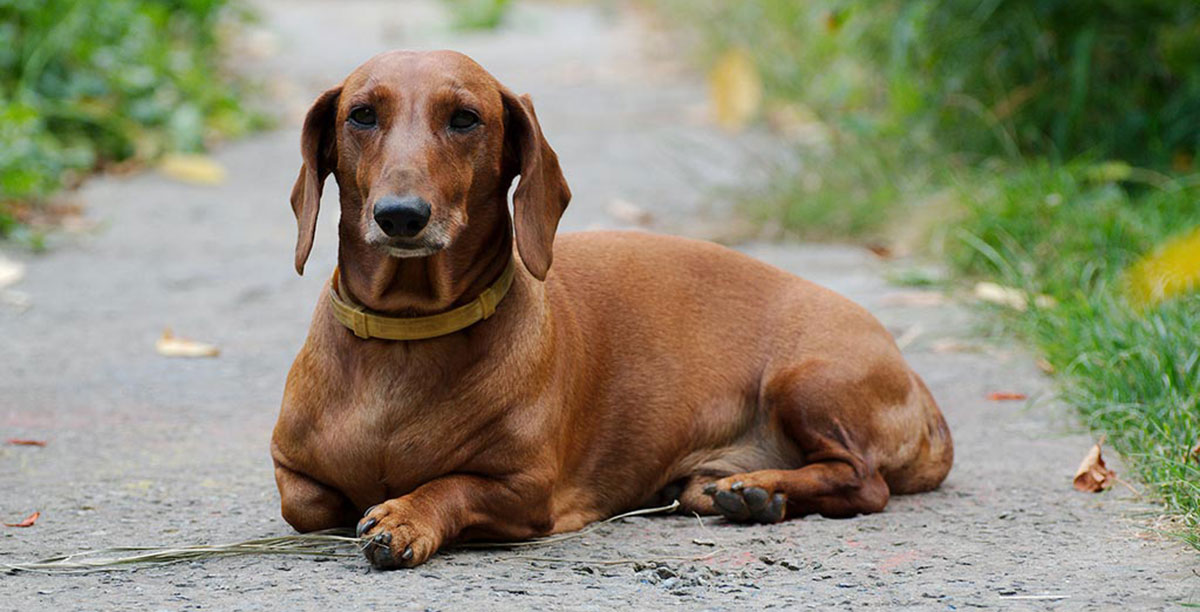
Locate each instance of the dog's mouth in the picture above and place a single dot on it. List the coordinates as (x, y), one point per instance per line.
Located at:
(396, 248)
(424, 244)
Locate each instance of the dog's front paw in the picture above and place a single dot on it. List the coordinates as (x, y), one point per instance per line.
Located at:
(394, 536)
(746, 504)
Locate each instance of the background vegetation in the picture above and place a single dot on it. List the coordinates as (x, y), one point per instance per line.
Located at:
(84, 85)
(1044, 144)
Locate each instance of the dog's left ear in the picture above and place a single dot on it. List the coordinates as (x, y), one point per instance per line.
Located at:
(542, 194)
(319, 152)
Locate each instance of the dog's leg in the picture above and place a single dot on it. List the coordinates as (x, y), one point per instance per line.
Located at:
(309, 505)
(830, 488)
(405, 531)
(833, 413)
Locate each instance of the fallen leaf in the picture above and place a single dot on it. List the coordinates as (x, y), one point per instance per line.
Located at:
(1093, 476)
(881, 250)
(1194, 454)
(1044, 365)
(171, 346)
(914, 298)
(1004, 396)
(735, 89)
(1010, 297)
(28, 522)
(10, 272)
(999, 294)
(24, 442)
(195, 169)
(629, 213)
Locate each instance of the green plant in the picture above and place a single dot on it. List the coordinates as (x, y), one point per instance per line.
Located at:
(84, 84)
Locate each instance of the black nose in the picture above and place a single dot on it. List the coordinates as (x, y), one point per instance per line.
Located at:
(403, 217)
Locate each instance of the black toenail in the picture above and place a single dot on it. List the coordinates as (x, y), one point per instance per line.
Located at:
(732, 505)
(756, 497)
(407, 555)
(365, 526)
(381, 556)
(370, 509)
(710, 489)
(384, 538)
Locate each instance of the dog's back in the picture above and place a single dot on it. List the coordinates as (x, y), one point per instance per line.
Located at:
(701, 325)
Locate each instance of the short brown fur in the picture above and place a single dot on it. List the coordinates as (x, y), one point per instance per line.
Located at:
(637, 368)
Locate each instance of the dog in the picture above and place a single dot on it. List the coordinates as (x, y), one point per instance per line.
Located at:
(456, 385)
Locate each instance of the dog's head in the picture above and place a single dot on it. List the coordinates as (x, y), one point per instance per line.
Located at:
(420, 144)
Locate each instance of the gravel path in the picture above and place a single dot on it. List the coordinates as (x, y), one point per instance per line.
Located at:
(148, 450)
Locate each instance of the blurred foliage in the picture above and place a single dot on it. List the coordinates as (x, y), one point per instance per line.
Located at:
(1067, 227)
(84, 84)
(477, 14)
(1058, 78)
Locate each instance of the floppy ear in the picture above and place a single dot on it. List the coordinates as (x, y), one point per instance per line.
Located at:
(542, 194)
(319, 152)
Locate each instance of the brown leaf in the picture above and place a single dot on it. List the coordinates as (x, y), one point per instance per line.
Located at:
(24, 442)
(1005, 396)
(1194, 454)
(881, 250)
(1093, 476)
(28, 522)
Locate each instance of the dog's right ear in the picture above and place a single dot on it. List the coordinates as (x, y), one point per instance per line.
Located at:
(318, 148)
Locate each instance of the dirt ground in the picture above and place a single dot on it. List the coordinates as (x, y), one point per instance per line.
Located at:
(148, 450)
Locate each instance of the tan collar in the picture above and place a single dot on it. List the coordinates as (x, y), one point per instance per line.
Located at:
(365, 324)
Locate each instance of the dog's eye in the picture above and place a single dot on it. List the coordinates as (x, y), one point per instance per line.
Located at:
(463, 120)
(363, 117)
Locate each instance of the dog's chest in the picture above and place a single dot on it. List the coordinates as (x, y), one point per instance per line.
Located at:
(382, 434)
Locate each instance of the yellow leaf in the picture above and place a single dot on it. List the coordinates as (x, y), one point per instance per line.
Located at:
(735, 89)
(171, 346)
(196, 169)
(1173, 269)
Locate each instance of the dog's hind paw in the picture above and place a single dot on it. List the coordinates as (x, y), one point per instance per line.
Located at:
(743, 504)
